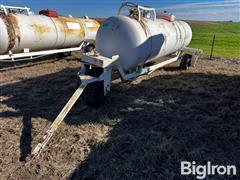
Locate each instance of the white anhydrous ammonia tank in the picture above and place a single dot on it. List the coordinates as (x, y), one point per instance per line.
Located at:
(137, 42)
(40, 32)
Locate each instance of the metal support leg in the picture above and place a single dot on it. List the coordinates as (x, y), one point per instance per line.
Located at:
(107, 78)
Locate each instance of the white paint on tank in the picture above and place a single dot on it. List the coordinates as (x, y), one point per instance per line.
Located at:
(3, 35)
(137, 42)
(74, 26)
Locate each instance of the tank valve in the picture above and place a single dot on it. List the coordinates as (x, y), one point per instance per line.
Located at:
(95, 53)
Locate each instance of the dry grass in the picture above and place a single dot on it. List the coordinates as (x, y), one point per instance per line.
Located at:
(144, 129)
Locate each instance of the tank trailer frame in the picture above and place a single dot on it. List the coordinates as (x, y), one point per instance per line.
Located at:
(108, 65)
(94, 60)
(27, 55)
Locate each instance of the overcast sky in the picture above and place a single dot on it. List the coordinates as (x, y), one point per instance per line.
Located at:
(212, 10)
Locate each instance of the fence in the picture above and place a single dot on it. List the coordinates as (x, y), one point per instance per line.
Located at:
(217, 45)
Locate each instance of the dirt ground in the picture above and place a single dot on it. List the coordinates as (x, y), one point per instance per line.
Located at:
(143, 131)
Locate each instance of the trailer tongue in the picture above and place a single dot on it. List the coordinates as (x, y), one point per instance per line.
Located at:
(58, 120)
(100, 62)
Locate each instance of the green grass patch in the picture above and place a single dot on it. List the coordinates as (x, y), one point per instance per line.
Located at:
(227, 42)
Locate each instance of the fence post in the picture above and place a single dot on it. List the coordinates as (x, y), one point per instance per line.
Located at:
(213, 42)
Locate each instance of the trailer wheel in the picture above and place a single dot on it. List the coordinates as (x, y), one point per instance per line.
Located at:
(65, 54)
(94, 92)
(89, 48)
(185, 62)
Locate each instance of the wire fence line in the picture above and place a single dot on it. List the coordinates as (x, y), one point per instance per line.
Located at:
(217, 46)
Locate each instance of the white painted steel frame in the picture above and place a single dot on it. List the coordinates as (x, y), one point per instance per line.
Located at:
(33, 55)
(139, 8)
(85, 80)
(4, 8)
(106, 76)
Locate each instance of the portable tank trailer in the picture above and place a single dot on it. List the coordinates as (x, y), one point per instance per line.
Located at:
(24, 35)
(125, 43)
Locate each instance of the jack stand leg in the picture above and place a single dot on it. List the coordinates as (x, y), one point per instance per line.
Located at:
(36, 152)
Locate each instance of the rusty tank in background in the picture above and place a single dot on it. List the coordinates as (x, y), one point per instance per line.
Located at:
(44, 31)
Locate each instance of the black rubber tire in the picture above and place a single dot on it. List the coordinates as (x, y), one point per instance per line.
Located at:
(65, 54)
(89, 48)
(185, 62)
(94, 93)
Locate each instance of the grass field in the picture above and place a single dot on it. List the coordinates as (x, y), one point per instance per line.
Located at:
(227, 43)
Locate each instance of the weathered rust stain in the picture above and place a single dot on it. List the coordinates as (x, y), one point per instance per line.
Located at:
(96, 26)
(10, 29)
(40, 28)
(59, 23)
(77, 32)
(16, 29)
